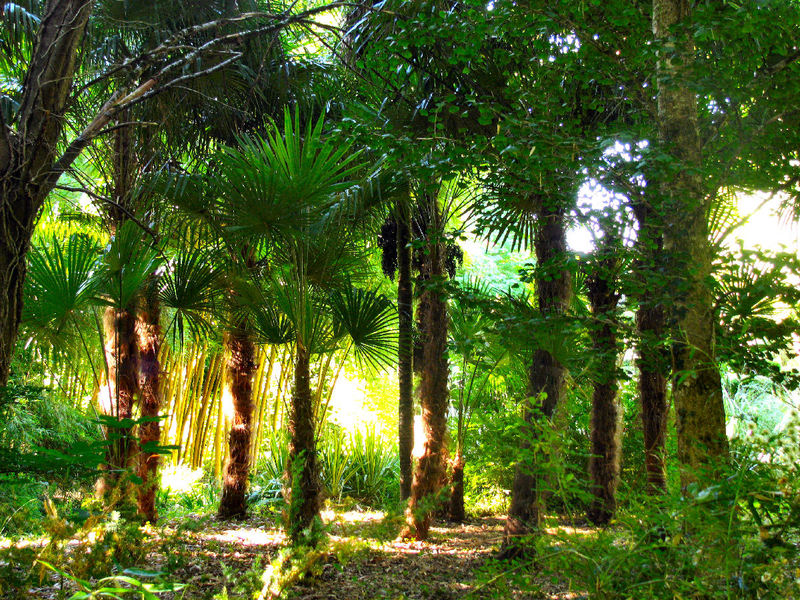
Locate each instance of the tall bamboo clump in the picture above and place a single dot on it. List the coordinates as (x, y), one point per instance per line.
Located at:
(199, 411)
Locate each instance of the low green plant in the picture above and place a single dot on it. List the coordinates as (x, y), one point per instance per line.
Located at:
(126, 585)
(374, 466)
(335, 462)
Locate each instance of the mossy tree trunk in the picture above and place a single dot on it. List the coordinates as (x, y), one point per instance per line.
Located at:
(239, 369)
(304, 487)
(545, 376)
(122, 357)
(697, 387)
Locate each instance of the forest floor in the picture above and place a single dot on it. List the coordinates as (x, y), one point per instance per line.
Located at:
(362, 559)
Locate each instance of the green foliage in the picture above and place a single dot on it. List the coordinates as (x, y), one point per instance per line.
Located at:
(31, 417)
(731, 539)
(118, 586)
(361, 467)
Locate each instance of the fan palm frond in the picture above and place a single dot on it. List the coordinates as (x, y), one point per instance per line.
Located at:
(126, 265)
(60, 280)
(189, 289)
(368, 319)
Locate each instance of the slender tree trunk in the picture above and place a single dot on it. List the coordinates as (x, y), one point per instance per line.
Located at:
(697, 388)
(239, 368)
(654, 361)
(545, 377)
(430, 471)
(304, 490)
(122, 356)
(606, 412)
(148, 328)
(27, 155)
(456, 506)
(654, 366)
(405, 343)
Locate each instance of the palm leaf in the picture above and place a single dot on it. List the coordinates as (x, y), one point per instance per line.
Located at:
(189, 289)
(126, 265)
(369, 320)
(60, 280)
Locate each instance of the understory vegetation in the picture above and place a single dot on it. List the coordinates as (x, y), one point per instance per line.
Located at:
(426, 299)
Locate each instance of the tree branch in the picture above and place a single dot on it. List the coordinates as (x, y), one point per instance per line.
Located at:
(107, 200)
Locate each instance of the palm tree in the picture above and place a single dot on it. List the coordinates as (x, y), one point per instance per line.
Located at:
(284, 206)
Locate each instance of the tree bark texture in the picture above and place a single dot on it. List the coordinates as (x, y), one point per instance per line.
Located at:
(148, 328)
(697, 388)
(654, 367)
(654, 361)
(545, 376)
(434, 395)
(239, 369)
(405, 351)
(604, 461)
(304, 492)
(456, 506)
(27, 155)
(122, 358)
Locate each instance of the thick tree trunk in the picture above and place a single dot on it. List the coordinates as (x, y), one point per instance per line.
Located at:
(697, 387)
(304, 496)
(606, 413)
(27, 155)
(122, 358)
(239, 369)
(148, 328)
(545, 377)
(430, 470)
(405, 343)
(456, 506)
(14, 245)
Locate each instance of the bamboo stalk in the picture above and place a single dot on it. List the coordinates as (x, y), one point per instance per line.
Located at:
(266, 393)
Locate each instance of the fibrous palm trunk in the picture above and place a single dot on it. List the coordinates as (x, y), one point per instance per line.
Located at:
(697, 387)
(239, 368)
(122, 343)
(122, 357)
(405, 351)
(148, 328)
(304, 489)
(430, 472)
(545, 377)
(605, 424)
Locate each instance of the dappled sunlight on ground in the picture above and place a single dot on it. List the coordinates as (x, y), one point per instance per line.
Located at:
(248, 537)
(364, 560)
